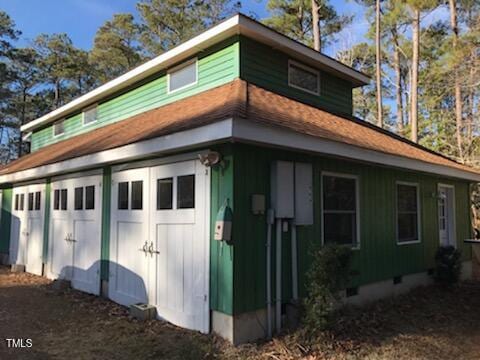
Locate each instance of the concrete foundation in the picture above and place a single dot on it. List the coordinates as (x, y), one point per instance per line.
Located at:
(467, 270)
(242, 328)
(17, 268)
(104, 289)
(248, 327)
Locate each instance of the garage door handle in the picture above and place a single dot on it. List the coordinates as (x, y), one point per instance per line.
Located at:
(151, 251)
(144, 247)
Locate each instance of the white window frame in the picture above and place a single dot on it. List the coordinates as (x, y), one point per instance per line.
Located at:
(53, 128)
(180, 67)
(419, 214)
(88, 109)
(357, 204)
(307, 68)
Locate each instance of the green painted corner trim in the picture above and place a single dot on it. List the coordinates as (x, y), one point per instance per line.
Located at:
(221, 254)
(6, 220)
(46, 227)
(106, 208)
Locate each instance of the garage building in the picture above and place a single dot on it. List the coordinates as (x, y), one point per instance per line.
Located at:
(124, 186)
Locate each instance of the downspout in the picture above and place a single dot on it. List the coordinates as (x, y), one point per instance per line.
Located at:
(278, 273)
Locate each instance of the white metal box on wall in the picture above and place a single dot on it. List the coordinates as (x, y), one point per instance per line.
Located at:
(303, 194)
(282, 189)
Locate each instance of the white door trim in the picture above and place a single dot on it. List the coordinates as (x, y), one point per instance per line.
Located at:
(452, 231)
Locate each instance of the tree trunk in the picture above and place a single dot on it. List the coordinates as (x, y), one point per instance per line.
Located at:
(57, 94)
(458, 91)
(414, 81)
(317, 42)
(22, 120)
(398, 81)
(378, 65)
(471, 101)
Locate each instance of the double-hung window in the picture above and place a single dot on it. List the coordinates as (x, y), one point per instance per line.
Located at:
(408, 214)
(340, 209)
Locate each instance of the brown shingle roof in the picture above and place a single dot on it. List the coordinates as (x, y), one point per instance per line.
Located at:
(194, 111)
(236, 99)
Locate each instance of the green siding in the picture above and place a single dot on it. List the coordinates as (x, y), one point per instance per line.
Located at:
(6, 220)
(221, 254)
(46, 227)
(379, 257)
(106, 208)
(220, 64)
(216, 66)
(268, 68)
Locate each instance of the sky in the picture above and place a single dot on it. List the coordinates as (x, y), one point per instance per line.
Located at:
(80, 19)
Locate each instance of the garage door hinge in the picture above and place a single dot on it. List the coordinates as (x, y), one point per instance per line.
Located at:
(206, 171)
(204, 297)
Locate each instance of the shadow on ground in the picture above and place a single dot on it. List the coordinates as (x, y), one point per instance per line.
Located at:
(73, 325)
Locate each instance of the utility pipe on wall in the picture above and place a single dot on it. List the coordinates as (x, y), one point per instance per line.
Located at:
(270, 222)
(294, 263)
(278, 273)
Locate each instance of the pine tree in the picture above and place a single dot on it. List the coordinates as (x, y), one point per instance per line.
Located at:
(117, 47)
(56, 63)
(294, 18)
(170, 22)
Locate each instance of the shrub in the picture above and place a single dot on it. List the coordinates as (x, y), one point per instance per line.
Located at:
(328, 275)
(448, 265)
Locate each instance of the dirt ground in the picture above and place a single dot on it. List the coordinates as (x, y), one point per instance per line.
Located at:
(429, 323)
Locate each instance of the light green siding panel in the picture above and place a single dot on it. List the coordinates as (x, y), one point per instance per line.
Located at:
(379, 257)
(268, 68)
(6, 220)
(216, 66)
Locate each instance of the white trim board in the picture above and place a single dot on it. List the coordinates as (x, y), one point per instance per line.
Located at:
(454, 209)
(351, 176)
(204, 135)
(236, 25)
(236, 130)
(418, 198)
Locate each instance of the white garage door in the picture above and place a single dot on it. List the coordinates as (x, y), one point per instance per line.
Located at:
(26, 237)
(75, 232)
(159, 243)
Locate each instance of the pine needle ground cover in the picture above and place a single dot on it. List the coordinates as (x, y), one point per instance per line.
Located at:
(428, 323)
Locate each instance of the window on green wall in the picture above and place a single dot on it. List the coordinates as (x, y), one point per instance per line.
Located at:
(90, 115)
(340, 210)
(303, 78)
(408, 215)
(182, 76)
(58, 128)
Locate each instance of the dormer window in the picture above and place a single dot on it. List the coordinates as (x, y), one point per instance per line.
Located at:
(303, 78)
(59, 128)
(90, 115)
(182, 76)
